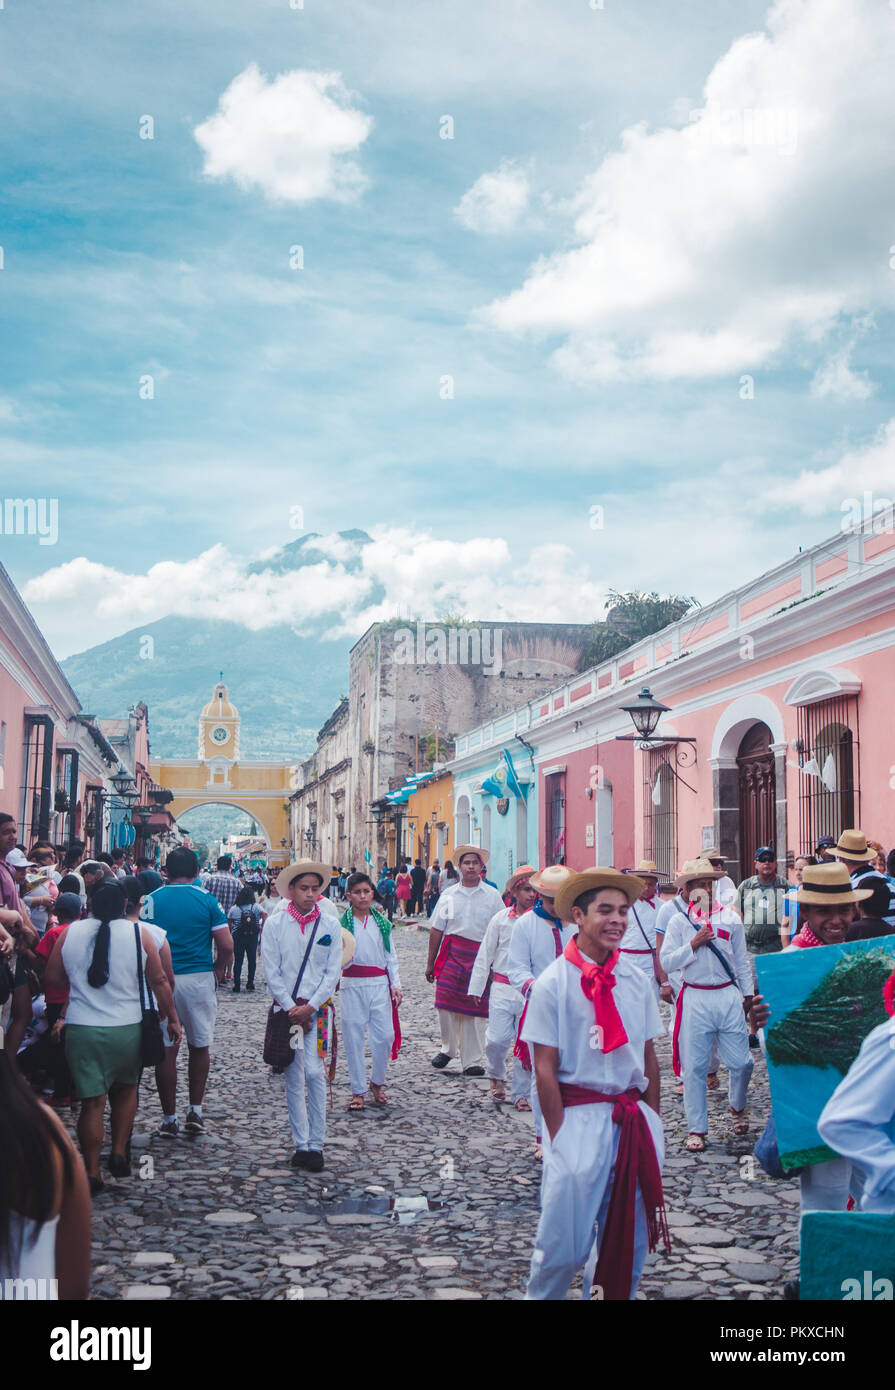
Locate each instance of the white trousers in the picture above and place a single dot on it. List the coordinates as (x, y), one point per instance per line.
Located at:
(462, 1034)
(306, 1094)
(575, 1190)
(504, 1010)
(825, 1186)
(366, 1005)
(713, 1016)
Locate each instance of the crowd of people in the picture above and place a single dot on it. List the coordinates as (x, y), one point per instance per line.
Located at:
(559, 977)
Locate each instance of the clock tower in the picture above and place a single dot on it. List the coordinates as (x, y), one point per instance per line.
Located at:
(219, 729)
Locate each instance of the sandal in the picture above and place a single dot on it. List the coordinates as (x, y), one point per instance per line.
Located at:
(740, 1120)
(695, 1143)
(379, 1094)
(356, 1103)
(522, 1104)
(711, 1081)
(498, 1092)
(537, 1152)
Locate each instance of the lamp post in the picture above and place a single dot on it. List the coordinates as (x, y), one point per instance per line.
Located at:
(645, 712)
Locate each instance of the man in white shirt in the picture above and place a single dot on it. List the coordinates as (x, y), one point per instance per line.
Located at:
(458, 924)
(301, 950)
(370, 992)
(639, 941)
(538, 939)
(591, 1020)
(505, 1007)
(707, 944)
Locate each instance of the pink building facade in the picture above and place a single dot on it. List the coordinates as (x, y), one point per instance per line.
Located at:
(783, 686)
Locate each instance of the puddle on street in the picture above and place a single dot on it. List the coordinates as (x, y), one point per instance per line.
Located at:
(401, 1210)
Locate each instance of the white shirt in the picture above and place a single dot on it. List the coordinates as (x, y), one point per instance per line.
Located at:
(283, 946)
(370, 950)
(494, 950)
(533, 948)
(858, 1120)
(665, 912)
(117, 1002)
(560, 1015)
(702, 967)
(466, 911)
(647, 910)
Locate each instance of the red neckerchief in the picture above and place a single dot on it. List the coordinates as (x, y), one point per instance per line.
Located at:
(597, 983)
(511, 912)
(889, 996)
(696, 914)
(806, 937)
(651, 901)
(303, 921)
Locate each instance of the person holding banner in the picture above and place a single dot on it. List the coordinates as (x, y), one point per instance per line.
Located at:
(707, 944)
(370, 993)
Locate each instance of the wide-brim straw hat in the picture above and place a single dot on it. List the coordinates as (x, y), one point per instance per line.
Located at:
(583, 882)
(301, 866)
(826, 884)
(852, 845)
(647, 868)
(349, 946)
(460, 850)
(523, 871)
(548, 881)
(696, 868)
(712, 852)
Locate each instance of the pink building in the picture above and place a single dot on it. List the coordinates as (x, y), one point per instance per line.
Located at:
(784, 688)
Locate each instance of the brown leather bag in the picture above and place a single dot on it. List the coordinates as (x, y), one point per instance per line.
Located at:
(278, 1050)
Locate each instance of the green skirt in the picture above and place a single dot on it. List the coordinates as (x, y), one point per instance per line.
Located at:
(100, 1057)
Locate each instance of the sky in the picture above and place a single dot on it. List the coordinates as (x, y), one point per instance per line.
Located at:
(549, 299)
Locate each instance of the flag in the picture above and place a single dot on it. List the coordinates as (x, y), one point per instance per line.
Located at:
(513, 782)
(828, 775)
(368, 859)
(811, 768)
(495, 782)
(656, 793)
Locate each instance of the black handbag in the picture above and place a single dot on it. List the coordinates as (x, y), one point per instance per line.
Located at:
(152, 1044)
(278, 1050)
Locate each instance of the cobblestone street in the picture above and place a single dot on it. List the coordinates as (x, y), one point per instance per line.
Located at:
(224, 1216)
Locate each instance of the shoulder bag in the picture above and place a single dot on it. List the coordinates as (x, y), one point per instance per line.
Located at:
(278, 1051)
(152, 1044)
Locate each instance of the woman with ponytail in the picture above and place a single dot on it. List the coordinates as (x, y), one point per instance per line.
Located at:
(96, 959)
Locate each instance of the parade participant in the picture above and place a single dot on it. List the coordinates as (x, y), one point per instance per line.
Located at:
(195, 925)
(370, 993)
(639, 941)
(591, 1020)
(858, 1121)
(858, 856)
(458, 925)
(506, 1003)
(301, 952)
(538, 939)
(707, 945)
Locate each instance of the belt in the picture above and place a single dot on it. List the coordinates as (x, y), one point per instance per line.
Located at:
(363, 972)
(630, 951)
(678, 1014)
(501, 979)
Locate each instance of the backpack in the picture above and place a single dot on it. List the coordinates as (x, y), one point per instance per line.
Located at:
(248, 921)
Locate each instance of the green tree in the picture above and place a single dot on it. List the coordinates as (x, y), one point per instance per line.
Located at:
(631, 617)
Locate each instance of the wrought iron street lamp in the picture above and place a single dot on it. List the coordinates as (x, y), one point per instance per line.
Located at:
(645, 712)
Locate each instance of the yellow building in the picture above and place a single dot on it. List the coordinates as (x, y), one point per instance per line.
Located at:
(429, 814)
(220, 777)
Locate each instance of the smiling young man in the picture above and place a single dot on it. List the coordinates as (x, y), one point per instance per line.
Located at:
(301, 951)
(591, 1019)
(506, 1005)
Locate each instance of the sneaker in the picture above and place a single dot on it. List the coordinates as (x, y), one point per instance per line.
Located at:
(473, 1071)
(250, 989)
(118, 1166)
(299, 1159)
(168, 1129)
(96, 1186)
(194, 1123)
(440, 1060)
(315, 1161)
(236, 989)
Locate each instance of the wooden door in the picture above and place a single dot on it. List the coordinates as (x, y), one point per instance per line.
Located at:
(758, 795)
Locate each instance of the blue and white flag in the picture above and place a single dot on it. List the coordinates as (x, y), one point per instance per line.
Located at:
(513, 782)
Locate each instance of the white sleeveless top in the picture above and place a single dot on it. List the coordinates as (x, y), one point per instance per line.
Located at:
(37, 1258)
(117, 1002)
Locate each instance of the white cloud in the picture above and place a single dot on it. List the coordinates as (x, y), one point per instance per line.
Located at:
(870, 469)
(496, 201)
(708, 249)
(836, 378)
(289, 137)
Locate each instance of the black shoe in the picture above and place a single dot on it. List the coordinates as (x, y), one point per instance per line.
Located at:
(440, 1060)
(168, 1129)
(96, 1186)
(753, 1042)
(194, 1123)
(315, 1161)
(118, 1166)
(250, 989)
(473, 1071)
(235, 989)
(791, 1291)
(299, 1159)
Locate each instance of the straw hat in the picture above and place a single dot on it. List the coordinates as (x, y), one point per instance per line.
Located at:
(301, 866)
(548, 881)
(460, 850)
(349, 946)
(523, 871)
(576, 884)
(696, 868)
(828, 883)
(712, 852)
(852, 845)
(647, 868)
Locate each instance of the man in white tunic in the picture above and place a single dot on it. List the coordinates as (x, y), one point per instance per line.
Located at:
(707, 945)
(591, 1020)
(639, 941)
(458, 924)
(538, 939)
(301, 950)
(370, 992)
(505, 1008)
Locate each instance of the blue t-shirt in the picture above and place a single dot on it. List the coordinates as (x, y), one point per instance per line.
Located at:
(189, 915)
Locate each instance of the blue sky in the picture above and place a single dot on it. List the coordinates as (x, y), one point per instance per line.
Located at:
(610, 241)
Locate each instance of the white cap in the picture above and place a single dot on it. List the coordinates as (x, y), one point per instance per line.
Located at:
(17, 860)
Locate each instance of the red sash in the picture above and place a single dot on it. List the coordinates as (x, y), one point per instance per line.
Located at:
(636, 1165)
(368, 972)
(678, 1014)
(501, 979)
(630, 951)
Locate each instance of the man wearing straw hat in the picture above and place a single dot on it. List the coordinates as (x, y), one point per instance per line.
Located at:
(539, 938)
(458, 925)
(591, 1019)
(505, 1008)
(301, 950)
(853, 851)
(639, 941)
(708, 947)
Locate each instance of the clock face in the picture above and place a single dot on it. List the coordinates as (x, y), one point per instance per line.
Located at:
(220, 734)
